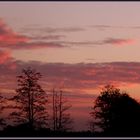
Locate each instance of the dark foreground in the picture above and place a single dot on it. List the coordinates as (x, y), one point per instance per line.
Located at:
(20, 132)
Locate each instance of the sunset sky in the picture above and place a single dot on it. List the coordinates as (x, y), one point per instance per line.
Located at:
(77, 46)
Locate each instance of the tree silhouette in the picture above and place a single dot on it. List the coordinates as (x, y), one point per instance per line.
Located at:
(61, 119)
(116, 113)
(30, 100)
(2, 107)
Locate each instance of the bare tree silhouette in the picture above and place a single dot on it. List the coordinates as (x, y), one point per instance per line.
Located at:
(30, 100)
(116, 112)
(2, 107)
(61, 119)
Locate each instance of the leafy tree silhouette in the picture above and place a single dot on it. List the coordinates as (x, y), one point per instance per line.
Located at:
(116, 113)
(61, 119)
(30, 100)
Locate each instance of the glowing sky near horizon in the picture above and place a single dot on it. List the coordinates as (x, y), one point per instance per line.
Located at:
(80, 45)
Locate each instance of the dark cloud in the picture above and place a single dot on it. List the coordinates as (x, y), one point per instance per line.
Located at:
(46, 37)
(103, 27)
(118, 41)
(52, 30)
(79, 43)
(37, 45)
(135, 27)
(112, 41)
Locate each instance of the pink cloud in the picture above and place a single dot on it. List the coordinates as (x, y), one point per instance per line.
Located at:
(119, 42)
(82, 77)
(4, 56)
(7, 60)
(8, 36)
(13, 66)
(12, 40)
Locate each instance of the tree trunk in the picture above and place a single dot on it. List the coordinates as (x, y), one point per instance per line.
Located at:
(54, 116)
(60, 110)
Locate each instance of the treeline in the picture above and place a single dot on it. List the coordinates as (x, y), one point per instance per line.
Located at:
(114, 112)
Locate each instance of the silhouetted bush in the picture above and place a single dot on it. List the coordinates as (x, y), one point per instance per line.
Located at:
(116, 113)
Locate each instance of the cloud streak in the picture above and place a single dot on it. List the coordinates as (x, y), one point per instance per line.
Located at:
(52, 29)
(12, 40)
(118, 41)
(46, 37)
(103, 27)
(110, 41)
